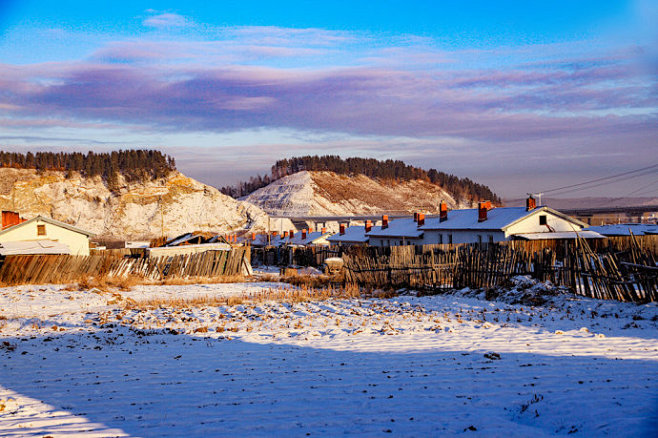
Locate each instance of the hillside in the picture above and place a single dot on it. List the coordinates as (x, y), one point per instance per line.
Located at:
(312, 193)
(132, 210)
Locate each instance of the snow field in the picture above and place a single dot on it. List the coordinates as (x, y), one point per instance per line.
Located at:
(79, 362)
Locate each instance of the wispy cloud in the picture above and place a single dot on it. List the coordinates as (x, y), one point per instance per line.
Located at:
(166, 20)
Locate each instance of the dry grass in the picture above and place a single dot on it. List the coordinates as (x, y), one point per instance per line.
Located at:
(290, 296)
(105, 283)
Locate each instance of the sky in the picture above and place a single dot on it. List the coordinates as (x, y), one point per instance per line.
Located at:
(521, 96)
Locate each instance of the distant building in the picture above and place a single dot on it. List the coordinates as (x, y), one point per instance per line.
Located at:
(353, 235)
(41, 235)
(404, 231)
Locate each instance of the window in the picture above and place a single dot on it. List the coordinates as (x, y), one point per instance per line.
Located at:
(450, 239)
(401, 243)
(480, 239)
(491, 238)
(542, 219)
(440, 238)
(41, 230)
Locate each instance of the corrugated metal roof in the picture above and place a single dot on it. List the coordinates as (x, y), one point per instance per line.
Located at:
(29, 247)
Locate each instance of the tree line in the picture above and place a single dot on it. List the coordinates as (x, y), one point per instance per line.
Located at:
(133, 164)
(461, 188)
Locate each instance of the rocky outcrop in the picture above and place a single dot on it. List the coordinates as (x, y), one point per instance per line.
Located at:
(326, 193)
(133, 210)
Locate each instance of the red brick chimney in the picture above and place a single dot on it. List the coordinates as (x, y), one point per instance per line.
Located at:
(384, 222)
(421, 219)
(530, 203)
(443, 211)
(323, 230)
(253, 236)
(342, 229)
(285, 234)
(483, 208)
(10, 218)
(368, 226)
(304, 234)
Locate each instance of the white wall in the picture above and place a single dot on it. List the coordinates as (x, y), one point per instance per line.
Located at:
(79, 243)
(530, 224)
(463, 236)
(394, 241)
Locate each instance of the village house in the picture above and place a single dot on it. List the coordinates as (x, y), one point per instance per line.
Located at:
(352, 235)
(41, 235)
(486, 224)
(308, 238)
(403, 231)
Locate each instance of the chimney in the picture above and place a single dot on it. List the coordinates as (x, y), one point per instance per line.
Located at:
(10, 218)
(304, 234)
(292, 233)
(253, 236)
(415, 217)
(443, 211)
(274, 233)
(384, 222)
(285, 234)
(421, 219)
(483, 208)
(342, 229)
(530, 203)
(323, 230)
(368, 226)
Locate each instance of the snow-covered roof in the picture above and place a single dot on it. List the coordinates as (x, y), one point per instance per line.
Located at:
(261, 240)
(353, 234)
(560, 235)
(403, 227)
(30, 247)
(49, 221)
(497, 218)
(310, 238)
(625, 229)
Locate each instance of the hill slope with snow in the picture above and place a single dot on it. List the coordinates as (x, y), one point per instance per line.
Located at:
(136, 210)
(326, 193)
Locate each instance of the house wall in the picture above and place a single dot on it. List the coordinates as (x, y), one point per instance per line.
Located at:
(79, 243)
(394, 241)
(530, 224)
(463, 236)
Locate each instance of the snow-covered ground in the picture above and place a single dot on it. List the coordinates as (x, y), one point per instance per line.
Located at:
(97, 363)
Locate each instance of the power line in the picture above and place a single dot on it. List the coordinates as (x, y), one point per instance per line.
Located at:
(601, 179)
(617, 180)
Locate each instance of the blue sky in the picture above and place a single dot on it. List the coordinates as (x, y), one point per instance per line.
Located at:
(518, 95)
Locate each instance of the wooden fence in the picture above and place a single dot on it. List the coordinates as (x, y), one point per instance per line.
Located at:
(57, 269)
(287, 256)
(629, 275)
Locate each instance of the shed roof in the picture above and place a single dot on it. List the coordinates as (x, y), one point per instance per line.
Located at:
(29, 247)
(625, 229)
(49, 221)
(560, 235)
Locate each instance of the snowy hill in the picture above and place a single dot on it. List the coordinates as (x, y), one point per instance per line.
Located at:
(326, 193)
(137, 210)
